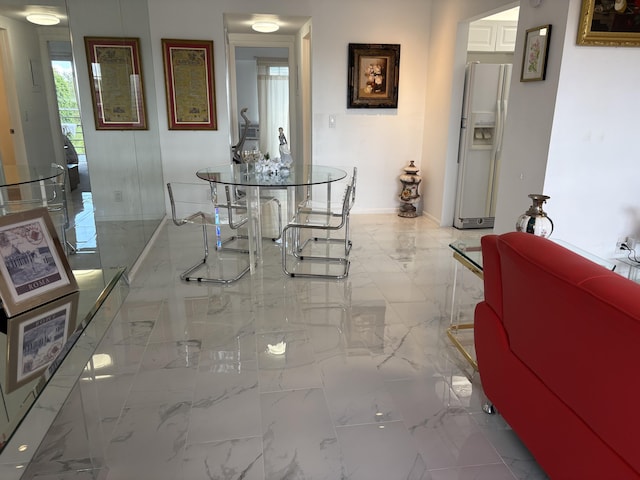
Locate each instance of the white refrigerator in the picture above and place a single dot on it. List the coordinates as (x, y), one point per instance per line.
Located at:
(484, 110)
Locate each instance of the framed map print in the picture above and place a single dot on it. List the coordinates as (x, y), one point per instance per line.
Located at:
(115, 74)
(190, 86)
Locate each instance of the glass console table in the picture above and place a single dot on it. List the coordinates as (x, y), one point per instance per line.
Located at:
(33, 387)
(469, 256)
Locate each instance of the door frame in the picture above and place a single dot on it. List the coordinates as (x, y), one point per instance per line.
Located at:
(10, 94)
(258, 40)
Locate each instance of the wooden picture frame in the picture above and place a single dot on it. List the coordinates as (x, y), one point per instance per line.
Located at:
(115, 75)
(33, 267)
(36, 338)
(373, 75)
(609, 24)
(535, 52)
(190, 84)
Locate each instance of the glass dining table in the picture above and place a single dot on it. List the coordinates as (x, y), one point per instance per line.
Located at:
(12, 175)
(251, 180)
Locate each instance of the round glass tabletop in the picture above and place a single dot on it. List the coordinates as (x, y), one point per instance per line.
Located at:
(245, 175)
(11, 175)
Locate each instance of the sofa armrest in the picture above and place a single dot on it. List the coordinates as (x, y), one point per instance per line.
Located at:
(492, 273)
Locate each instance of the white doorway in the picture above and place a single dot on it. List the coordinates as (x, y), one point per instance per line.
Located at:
(488, 39)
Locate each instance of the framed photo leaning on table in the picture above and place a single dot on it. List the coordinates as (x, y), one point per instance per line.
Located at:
(189, 84)
(33, 266)
(115, 76)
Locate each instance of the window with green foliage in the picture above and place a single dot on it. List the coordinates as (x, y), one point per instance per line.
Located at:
(67, 103)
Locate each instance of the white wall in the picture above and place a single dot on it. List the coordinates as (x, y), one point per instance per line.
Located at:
(575, 146)
(593, 168)
(547, 146)
(530, 119)
(380, 142)
(122, 164)
(447, 46)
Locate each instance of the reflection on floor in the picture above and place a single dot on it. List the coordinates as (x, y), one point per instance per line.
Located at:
(82, 235)
(280, 378)
(101, 244)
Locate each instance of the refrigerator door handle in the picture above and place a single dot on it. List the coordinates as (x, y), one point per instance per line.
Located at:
(495, 154)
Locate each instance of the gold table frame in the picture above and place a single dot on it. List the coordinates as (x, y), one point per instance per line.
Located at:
(454, 328)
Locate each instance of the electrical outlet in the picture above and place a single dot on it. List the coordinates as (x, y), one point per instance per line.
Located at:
(623, 245)
(117, 195)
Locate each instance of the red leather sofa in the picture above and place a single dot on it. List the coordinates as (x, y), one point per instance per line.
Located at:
(557, 341)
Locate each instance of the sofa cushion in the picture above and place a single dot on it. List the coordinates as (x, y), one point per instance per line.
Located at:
(576, 325)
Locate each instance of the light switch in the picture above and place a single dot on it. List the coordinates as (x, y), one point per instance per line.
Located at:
(332, 121)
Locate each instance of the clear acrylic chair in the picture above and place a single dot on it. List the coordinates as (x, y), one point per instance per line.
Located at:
(58, 206)
(50, 193)
(332, 265)
(323, 211)
(198, 204)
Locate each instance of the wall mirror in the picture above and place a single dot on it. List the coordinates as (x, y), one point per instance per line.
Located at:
(269, 74)
(115, 192)
(262, 86)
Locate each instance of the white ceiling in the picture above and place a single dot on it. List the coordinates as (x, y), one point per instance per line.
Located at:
(19, 9)
(506, 15)
(241, 23)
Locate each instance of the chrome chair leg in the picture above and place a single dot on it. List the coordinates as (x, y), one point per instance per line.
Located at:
(202, 219)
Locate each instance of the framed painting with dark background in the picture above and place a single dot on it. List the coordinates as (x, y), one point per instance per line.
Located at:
(614, 23)
(373, 75)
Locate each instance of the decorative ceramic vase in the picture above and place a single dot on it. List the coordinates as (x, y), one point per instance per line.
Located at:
(409, 195)
(535, 220)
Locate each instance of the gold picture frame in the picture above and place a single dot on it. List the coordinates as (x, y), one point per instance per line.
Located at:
(115, 74)
(534, 54)
(190, 84)
(609, 24)
(33, 267)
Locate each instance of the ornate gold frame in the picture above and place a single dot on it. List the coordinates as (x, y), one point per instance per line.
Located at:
(618, 38)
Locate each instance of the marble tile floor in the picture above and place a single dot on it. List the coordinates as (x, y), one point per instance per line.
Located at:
(191, 382)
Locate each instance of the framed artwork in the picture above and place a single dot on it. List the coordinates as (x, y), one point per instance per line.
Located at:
(534, 57)
(37, 337)
(613, 23)
(374, 73)
(33, 266)
(189, 84)
(115, 75)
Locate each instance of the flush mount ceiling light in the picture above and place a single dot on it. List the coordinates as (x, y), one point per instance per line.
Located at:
(43, 19)
(265, 27)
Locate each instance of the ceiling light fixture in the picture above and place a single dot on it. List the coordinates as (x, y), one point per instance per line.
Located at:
(265, 27)
(43, 19)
